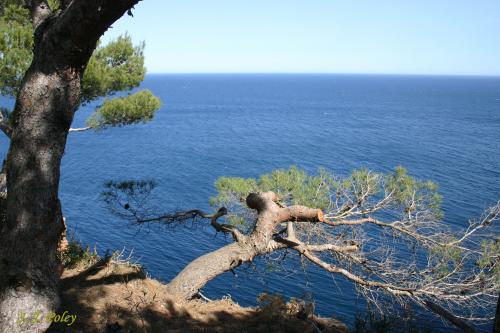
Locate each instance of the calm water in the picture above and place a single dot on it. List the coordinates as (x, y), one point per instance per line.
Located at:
(442, 128)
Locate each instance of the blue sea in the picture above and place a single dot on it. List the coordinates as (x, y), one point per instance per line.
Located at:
(446, 129)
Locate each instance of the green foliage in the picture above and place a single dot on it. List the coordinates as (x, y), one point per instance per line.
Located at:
(446, 258)
(360, 185)
(131, 186)
(5, 3)
(363, 181)
(302, 188)
(294, 185)
(78, 256)
(55, 5)
(132, 109)
(128, 188)
(274, 306)
(232, 192)
(490, 258)
(412, 194)
(118, 66)
(16, 44)
(231, 188)
(128, 193)
(315, 191)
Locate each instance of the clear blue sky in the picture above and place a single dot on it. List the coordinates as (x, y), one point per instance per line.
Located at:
(458, 37)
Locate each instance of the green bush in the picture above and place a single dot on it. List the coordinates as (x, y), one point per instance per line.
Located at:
(78, 256)
(132, 109)
(118, 66)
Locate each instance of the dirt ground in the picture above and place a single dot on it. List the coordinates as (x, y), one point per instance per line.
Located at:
(119, 298)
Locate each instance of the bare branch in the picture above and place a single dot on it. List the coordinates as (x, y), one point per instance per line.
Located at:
(290, 230)
(226, 228)
(178, 216)
(196, 213)
(331, 247)
(492, 215)
(395, 225)
(80, 129)
(393, 289)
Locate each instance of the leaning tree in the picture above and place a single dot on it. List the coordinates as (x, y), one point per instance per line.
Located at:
(384, 233)
(50, 64)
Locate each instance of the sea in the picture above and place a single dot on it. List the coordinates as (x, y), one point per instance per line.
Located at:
(442, 128)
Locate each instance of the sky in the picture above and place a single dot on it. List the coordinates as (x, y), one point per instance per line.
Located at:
(437, 37)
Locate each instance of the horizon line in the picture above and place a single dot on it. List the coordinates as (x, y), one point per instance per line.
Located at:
(323, 73)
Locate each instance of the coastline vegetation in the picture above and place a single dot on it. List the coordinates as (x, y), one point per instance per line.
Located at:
(382, 232)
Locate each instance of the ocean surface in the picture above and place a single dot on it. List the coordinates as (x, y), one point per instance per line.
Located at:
(446, 129)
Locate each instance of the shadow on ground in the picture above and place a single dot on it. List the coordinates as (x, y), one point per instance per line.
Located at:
(119, 298)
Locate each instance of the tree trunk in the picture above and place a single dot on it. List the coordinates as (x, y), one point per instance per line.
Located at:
(496, 325)
(29, 238)
(47, 100)
(205, 268)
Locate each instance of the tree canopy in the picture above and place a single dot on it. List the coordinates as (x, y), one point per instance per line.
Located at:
(16, 48)
(113, 68)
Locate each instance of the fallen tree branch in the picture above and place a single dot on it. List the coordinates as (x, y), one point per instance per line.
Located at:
(394, 225)
(393, 289)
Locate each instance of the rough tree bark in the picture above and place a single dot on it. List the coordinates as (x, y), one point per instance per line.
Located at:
(496, 325)
(43, 113)
(3, 182)
(246, 247)
(7, 130)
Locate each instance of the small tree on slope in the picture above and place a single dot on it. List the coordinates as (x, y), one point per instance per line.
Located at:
(381, 232)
